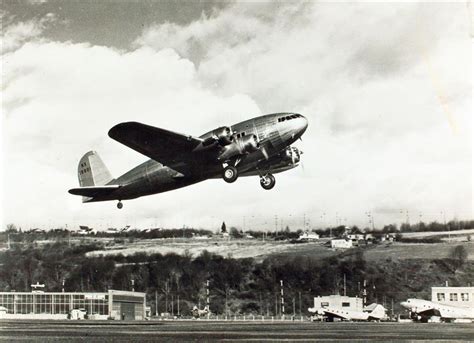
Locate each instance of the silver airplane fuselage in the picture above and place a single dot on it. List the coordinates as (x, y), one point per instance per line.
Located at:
(274, 136)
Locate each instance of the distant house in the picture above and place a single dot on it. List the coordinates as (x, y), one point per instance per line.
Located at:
(341, 243)
(197, 237)
(355, 236)
(84, 230)
(308, 236)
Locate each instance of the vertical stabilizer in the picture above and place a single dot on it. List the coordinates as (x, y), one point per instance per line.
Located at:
(92, 171)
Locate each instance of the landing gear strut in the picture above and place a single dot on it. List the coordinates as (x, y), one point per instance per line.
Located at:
(267, 181)
(119, 205)
(230, 174)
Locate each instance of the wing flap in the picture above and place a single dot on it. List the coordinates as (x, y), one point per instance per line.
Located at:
(166, 147)
(94, 191)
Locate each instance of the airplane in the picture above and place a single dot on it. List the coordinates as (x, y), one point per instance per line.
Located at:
(256, 147)
(425, 310)
(372, 312)
(197, 313)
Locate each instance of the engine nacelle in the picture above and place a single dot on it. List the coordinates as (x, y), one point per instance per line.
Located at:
(222, 135)
(291, 155)
(241, 146)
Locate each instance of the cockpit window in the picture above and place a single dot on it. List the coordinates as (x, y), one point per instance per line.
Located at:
(289, 117)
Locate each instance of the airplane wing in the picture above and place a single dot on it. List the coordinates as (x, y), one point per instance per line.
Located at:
(167, 147)
(94, 191)
(430, 312)
(336, 313)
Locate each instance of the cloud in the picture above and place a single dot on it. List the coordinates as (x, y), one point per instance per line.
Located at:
(379, 82)
(374, 80)
(76, 93)
(15, 34)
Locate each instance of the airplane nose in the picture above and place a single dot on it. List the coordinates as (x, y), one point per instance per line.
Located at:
(404, 304)
(303, 124)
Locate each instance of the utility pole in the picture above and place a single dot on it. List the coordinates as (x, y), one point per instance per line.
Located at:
(344, 284)
(156, 303)
(364, 293)
(172, 304)
(207, 299)
(282, 300)
(299, 296)
(178, 305)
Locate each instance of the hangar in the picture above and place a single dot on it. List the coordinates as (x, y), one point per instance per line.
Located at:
(113, 304)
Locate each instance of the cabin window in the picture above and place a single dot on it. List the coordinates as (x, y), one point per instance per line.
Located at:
(441, 297)
(346, 304)
(325, 304)
(453, 297)
(464, 296)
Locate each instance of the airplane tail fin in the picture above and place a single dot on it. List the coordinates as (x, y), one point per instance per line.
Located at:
(91, 171)
(378, 312)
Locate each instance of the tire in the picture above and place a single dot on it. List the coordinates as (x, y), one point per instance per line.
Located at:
(267, 181)
(230, 174)
(119, 205)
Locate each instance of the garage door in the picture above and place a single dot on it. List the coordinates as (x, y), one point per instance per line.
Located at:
(127, 311)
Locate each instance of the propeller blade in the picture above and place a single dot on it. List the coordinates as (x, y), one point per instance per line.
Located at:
(265, 153)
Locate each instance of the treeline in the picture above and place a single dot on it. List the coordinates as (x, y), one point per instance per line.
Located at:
(16, 234)
(237, 286)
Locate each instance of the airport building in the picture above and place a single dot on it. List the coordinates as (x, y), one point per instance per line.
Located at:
(457, 296)
(118, 305)
(340, 302)
(341, 243)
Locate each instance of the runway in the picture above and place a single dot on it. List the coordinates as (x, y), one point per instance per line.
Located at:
(199, 331)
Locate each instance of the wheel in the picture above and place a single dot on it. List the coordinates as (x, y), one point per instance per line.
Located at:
(230, 174)
(119, 205)
(267, 181)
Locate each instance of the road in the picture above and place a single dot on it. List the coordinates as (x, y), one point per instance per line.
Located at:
(199, 331)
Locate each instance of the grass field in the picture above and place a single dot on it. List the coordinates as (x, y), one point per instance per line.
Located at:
(242, 248)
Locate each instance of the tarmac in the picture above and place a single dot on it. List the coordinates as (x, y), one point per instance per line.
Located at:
(211, 331)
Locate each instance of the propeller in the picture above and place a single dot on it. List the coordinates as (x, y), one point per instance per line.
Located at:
(264, 152)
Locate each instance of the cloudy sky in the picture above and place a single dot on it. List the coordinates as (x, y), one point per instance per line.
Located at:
(386, 87)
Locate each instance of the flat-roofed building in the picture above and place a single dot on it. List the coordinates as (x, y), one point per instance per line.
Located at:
(114, 304)
(339, 302)
(341, 243)
(457, 296)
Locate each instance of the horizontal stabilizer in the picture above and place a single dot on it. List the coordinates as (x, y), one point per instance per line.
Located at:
(94, 191)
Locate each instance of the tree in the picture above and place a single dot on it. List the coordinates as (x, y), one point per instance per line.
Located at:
(234, 232)
(458, 255)
(223, 228)
(11, 228)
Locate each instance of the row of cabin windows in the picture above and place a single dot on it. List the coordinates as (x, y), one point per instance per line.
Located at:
(453, 297)
(344, 304)
(289, 117)
(85, 170)
(241, 134)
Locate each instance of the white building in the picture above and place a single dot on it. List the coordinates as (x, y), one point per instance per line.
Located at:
(356, 236)
(341, 243)
(457, 296)
(339, 302)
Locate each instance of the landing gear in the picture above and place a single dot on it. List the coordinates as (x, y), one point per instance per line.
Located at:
(267, 181)
(230, 174)
(119, 205)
